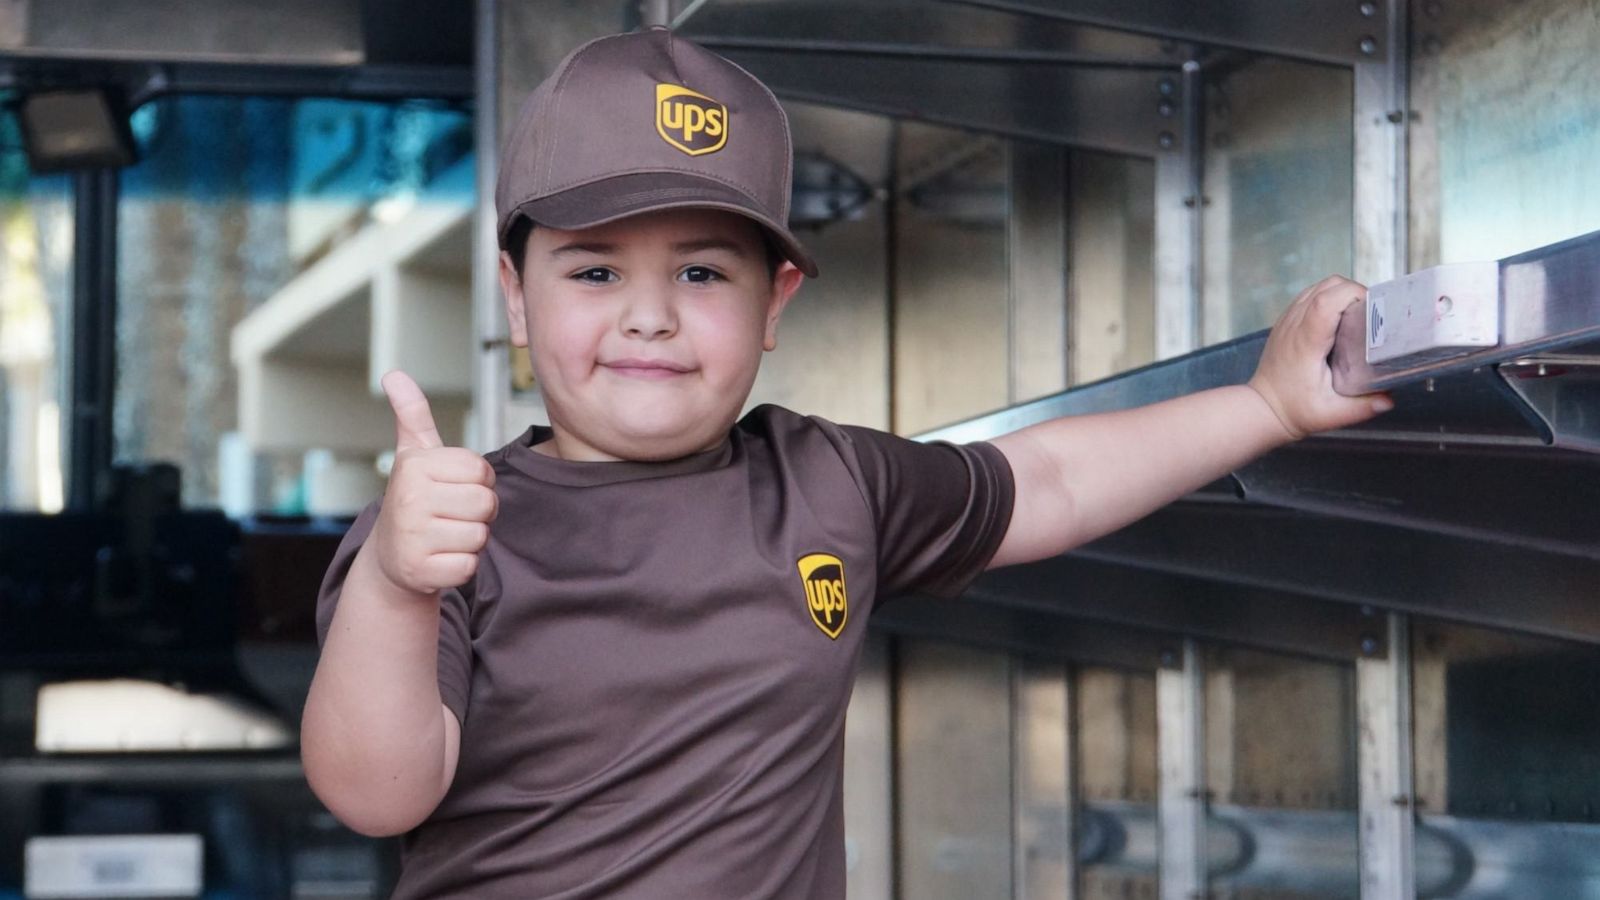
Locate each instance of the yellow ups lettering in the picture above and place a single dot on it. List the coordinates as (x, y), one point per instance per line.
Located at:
(822, 575)
(690, 121)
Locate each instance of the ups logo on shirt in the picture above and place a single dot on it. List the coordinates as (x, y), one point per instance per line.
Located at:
(694, 123)
(823, 577)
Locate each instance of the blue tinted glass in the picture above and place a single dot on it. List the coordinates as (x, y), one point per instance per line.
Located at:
(266, 148)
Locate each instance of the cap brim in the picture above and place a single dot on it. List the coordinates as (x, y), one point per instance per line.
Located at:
(616, 198)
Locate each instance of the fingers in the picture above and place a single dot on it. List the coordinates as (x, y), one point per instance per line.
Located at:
(458, 465)
(447, 570)
(455, 536)
(465, 502)
(413, 419)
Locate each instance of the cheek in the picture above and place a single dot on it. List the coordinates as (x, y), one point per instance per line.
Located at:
(730, 343)
(562, 340)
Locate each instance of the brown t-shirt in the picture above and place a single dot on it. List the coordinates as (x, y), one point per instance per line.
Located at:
(652, 665)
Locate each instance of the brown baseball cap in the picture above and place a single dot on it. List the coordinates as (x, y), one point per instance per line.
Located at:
(639, 122)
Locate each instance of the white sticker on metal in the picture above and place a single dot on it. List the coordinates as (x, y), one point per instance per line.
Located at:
(130, 865)
(1435, 314)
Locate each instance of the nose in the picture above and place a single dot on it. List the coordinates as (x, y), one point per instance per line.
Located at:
(649, 315)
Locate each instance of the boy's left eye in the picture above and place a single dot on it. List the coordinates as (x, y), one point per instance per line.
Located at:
(699, 274)
(595, 275)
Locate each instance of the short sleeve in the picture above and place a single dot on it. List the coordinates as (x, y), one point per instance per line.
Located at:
(455, 643)
(941, 509)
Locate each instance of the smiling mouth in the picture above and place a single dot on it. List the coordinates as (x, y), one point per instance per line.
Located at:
(646, 368)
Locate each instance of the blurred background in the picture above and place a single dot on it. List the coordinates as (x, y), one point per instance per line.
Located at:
(1363, 666)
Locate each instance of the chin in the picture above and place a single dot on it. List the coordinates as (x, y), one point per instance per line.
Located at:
(642, 442)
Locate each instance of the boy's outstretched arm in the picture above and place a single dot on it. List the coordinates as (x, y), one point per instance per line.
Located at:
(1081, 477)
(378, 744)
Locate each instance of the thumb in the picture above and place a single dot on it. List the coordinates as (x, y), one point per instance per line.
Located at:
(413, 420)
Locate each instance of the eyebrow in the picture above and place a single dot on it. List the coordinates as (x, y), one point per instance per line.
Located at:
(704, 244)
(594, 248)
(579, 247)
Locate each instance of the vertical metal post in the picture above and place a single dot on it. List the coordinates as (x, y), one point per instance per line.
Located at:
(491, 371)
(1382, 114)
(1181, 743)
(869, 775)
(1043, 782)
(1383, 719)
(1180, 165)
(655, 12)
(1036, 257)
(94, 338)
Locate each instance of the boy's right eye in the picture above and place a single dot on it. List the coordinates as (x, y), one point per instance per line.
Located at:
(595, 275)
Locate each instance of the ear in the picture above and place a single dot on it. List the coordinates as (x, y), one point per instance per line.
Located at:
(784, 283)
(516, 312)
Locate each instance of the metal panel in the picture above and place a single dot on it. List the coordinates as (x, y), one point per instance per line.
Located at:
(833, 342)
(1036, 256)
(1383, 692)
(1178, 220)
(1382, 115)
(953, 715)
(1564, 392)
(1044, 866)
(950, 277)
(1332, 31)
(1549, 302)
(1506, 97)
(1089, 590)
(301, 32)
(1469, 407)
(1279, 208)
(1103, 109)
(1111, 264)
(1180, 729)
(919, 27)
(1507, 859)
(1379, 565)
(869, 799)
(1422, 487)
(1437, 313)
(1021, 631)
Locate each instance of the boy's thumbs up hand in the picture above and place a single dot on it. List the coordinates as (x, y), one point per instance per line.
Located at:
(439, 503)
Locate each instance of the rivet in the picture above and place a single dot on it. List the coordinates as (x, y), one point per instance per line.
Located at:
(1369, 45)
(1167, 87)
(1166, 140)
(1368, 8)
(1166, 108)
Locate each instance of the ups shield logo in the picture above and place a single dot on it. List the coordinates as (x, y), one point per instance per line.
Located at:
(823, 576)
(694, 123)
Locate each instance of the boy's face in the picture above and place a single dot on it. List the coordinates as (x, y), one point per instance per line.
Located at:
(646, 333)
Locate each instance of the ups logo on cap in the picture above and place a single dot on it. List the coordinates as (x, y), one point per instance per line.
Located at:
(694, 123)
(823, 577)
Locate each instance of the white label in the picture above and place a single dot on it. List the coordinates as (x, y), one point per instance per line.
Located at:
(138, 865)
(1439, 313)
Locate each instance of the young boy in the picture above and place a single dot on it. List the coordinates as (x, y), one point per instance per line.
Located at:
(612, 658)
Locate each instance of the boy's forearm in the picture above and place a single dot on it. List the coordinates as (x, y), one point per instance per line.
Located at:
(1081, 477)
(373, 735)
